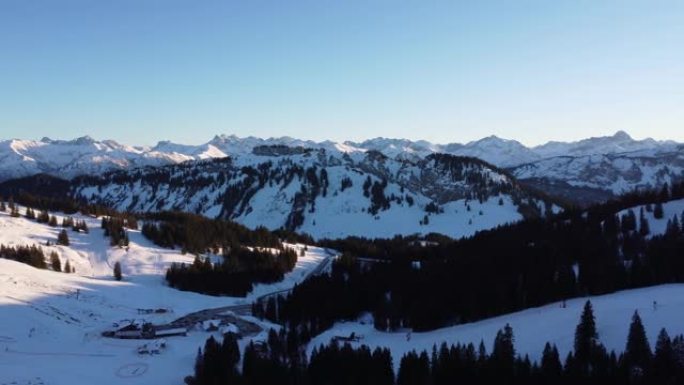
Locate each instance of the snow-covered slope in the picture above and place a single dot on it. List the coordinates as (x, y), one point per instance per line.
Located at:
(534, 327)
(672, 211)
(618, 143)
(84, 155)
(612, 174)
(50, 322)
(325, 194)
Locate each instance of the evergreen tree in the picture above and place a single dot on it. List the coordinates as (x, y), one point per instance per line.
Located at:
(551, 367)
(502, 359)
(586, 338)
(637, 352)
(55, 262)
(67, 267)
(43, 217)
(414, 370)
(63, 238)
(664, 359)
(3, 207)
(658, 211)
(117, 271)
(673, 228)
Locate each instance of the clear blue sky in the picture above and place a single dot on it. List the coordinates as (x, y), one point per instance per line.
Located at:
(140, 71)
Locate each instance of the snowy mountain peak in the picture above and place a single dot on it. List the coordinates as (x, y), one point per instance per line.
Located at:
(622, 136)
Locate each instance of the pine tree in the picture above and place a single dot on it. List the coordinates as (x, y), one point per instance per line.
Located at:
(53, 221)
(664, 360)
(503, 352)
(55, 262)
(63, 238)
(43, 217)
(3, 207)
(117, 271)
(658, 211)
(638, 351)
(551, 367)
(67, 267)
(586, 338)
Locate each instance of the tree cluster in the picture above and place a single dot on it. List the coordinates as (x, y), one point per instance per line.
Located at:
(282, 361)
(197, 234)
(240, 269)
(30, 255)
(115, 229)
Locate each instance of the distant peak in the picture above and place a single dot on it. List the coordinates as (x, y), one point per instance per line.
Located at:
(223, 138)
(87, 139)
(622, 135)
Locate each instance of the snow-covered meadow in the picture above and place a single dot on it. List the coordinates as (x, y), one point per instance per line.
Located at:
(50, 322)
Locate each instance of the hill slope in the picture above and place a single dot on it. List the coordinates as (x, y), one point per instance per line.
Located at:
(534, 327)
(327, 195)
(51, 321)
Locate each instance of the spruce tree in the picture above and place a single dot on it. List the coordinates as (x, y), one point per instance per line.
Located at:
(658, 211)
(638, 351)
(586, 337)
(551, 367)
(67, 267)
(503, 352)
(63, 238)
(55, 262)
(664, 359)
(117, 271)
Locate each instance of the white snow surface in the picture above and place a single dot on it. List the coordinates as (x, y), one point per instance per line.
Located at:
(50, 336)
(658, 226)
(534, 327)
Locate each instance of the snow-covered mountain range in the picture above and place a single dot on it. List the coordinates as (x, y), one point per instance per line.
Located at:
(327, 194)
(585, 171)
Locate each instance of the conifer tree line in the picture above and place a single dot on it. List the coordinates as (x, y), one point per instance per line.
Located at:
(239, 270)
(197, 234)
(282, 360)
(30, 255)
(115, 229)
(35, 256)
(537, 262)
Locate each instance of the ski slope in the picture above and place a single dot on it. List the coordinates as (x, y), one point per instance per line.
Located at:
(534, 327)
(658, 226)
(50, 322)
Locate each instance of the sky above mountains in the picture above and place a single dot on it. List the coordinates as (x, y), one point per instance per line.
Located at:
(441, 71)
